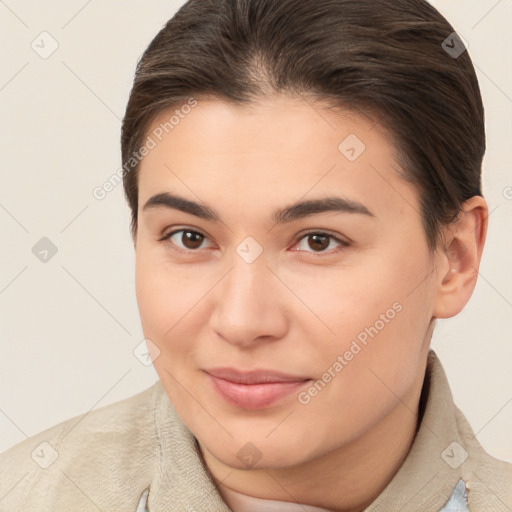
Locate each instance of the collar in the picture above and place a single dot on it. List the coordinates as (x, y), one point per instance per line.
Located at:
(429, 477)
(435, 463)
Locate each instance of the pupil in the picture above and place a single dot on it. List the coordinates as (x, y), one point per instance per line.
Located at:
(191, 240)
(323, 245)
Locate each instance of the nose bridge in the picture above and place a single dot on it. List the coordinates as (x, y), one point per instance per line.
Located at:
(246, 306)
(246, 285)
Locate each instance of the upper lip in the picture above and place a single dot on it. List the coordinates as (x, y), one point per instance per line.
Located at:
(253, 376)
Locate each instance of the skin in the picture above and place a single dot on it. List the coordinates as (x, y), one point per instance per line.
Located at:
(297, 306)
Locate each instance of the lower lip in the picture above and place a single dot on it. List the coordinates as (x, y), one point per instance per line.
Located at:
(254, 396)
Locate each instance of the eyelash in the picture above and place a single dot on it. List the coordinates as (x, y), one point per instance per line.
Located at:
(343, 244)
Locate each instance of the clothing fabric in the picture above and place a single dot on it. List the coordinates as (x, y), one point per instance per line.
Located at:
(241, 502)
(137, 455)
(458, 502)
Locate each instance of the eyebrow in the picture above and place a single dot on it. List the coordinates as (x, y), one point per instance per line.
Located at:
(287, 214)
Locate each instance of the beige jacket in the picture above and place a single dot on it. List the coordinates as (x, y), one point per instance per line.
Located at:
(137, 455)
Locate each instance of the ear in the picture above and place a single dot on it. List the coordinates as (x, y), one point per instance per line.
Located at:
(458, 258)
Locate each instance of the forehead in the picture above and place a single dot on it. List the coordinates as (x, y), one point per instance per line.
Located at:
(214, 126)
(274, 151)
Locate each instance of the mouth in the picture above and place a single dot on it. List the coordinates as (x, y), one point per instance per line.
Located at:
(255, 389)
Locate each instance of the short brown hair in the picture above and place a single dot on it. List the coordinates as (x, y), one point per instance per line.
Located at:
(384, 57)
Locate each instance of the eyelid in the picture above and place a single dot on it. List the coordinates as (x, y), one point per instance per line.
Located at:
(185, 228)
(339, 238)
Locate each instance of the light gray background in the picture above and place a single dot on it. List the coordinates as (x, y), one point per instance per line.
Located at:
(69, 326)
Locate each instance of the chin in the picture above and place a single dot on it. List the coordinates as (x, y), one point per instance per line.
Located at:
(258, 452)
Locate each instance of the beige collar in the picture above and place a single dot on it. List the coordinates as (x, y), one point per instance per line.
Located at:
(434, 465)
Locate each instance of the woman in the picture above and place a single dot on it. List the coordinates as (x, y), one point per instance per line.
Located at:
(304, 182)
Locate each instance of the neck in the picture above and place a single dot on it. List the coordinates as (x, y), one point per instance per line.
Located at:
(347, 479)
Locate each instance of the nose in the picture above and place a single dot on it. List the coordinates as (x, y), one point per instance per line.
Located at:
(250, 304)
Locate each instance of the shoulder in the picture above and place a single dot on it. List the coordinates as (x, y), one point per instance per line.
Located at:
(85, 460)
(488, 479)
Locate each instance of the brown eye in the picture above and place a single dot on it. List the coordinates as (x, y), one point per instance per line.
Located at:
(318, 242)
(185, 239)
(191, 239)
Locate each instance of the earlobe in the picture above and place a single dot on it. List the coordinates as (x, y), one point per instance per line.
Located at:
(459, 258)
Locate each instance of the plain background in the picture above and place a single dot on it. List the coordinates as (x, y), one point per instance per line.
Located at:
(69, 326)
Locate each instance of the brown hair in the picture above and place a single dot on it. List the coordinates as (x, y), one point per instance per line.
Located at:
(387, 57)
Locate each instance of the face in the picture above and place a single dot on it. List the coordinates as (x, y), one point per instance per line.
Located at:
(282, 319)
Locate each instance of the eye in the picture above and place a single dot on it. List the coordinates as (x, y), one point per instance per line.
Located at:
(190, 240)
(320, 241)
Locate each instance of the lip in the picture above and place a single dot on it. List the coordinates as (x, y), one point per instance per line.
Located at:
(257, 376)
(254, 389)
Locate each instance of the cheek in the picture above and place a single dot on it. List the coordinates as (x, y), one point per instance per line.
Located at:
(164, 293)
(165, 298)
(152, 295)
(341, 303)
(378, 315)
(171, 303)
